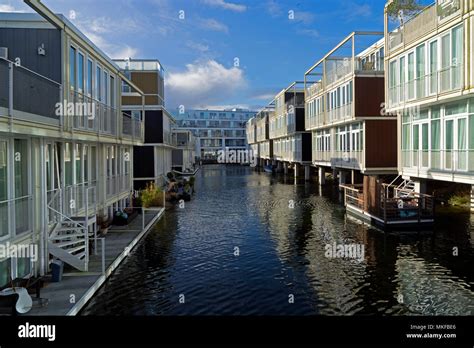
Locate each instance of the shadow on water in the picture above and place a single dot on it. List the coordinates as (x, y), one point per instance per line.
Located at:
(251, 243)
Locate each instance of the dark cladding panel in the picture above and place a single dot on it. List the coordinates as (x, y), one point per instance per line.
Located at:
(24, 43)
(144, 162)
(154, 126)
(306, 151)
(369, 96)
(299, 120)
(381, 144)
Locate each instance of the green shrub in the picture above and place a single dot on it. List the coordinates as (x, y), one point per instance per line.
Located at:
(460, 200)
(151, 196)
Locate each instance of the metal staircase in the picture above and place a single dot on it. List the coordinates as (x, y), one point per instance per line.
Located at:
(70, 235)
(405, 189)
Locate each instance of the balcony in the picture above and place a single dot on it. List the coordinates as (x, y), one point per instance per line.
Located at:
(446, 80)
(339, 114)
(24, 93)
(428, 20)
(117, 184)
(90, 115)
(451, 161)
(132, 127)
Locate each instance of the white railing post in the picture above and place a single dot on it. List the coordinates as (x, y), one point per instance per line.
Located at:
(103, 255)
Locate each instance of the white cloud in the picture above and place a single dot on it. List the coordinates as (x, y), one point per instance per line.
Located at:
(214, 25)
(309, 32)
(198, 46)
(9, 8)
(268, 96)
(273, 8)
(203, 83)
(226, 5)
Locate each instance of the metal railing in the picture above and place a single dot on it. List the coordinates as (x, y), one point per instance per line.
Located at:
(91, 115)
(341, 113)
(24, 90)
(132, 127)
(445, 80)
(441, 160)
(15, 215)
(422, 23)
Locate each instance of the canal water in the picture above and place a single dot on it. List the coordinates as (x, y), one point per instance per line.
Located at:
(254, 244)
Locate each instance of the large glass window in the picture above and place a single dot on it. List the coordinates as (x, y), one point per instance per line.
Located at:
(80, 72)
(89, 77)
(105, 98)
(5, 272)
(112, 91)
(420, 71)
(402, 78)
(3, 189)
(457, 52)
(68, 164)
(98, 84)
(434, 67)
(445, 63)
(411, 76)
(72, 67)
(21, 165)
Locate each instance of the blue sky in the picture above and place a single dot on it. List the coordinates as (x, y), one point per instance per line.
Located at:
(199, 51)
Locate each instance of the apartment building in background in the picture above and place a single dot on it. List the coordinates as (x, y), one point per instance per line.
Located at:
(429, 85)
(215, 130)
(155, 157)
(66, 148)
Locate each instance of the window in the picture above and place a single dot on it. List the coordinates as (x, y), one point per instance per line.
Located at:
(23, 267)
(5, 272)
(105, 97)
(68, 164)
(420, 71)
(21, 166)
(3, 190)
(78, 155)
(72, 67)
(89, 78)
(411, 76)
(112, 91)
(402, 81)
(98, 84)
(445, 63)
(457, 52)
(434, 67)
(80, 72)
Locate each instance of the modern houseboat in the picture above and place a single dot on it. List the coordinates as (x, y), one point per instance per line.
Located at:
(159, 142)
(66, 148)
(429, 85)
(291, 142)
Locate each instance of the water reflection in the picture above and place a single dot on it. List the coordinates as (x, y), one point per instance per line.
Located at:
(280, 230)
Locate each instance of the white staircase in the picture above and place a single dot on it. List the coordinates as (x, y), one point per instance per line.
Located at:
(405, 189)
(69, 238)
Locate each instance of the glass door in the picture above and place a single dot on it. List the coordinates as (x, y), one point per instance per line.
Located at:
(461, 152)
(448, 144)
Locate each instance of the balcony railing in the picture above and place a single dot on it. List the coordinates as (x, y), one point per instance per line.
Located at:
(132, 127)
(25, 91)
(440, 160)
(117, 184)
(341, 113)
(91, 115)
(424, 22)
(445, 80)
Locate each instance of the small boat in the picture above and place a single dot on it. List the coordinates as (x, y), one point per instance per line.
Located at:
(186, 173)
(268, 169)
